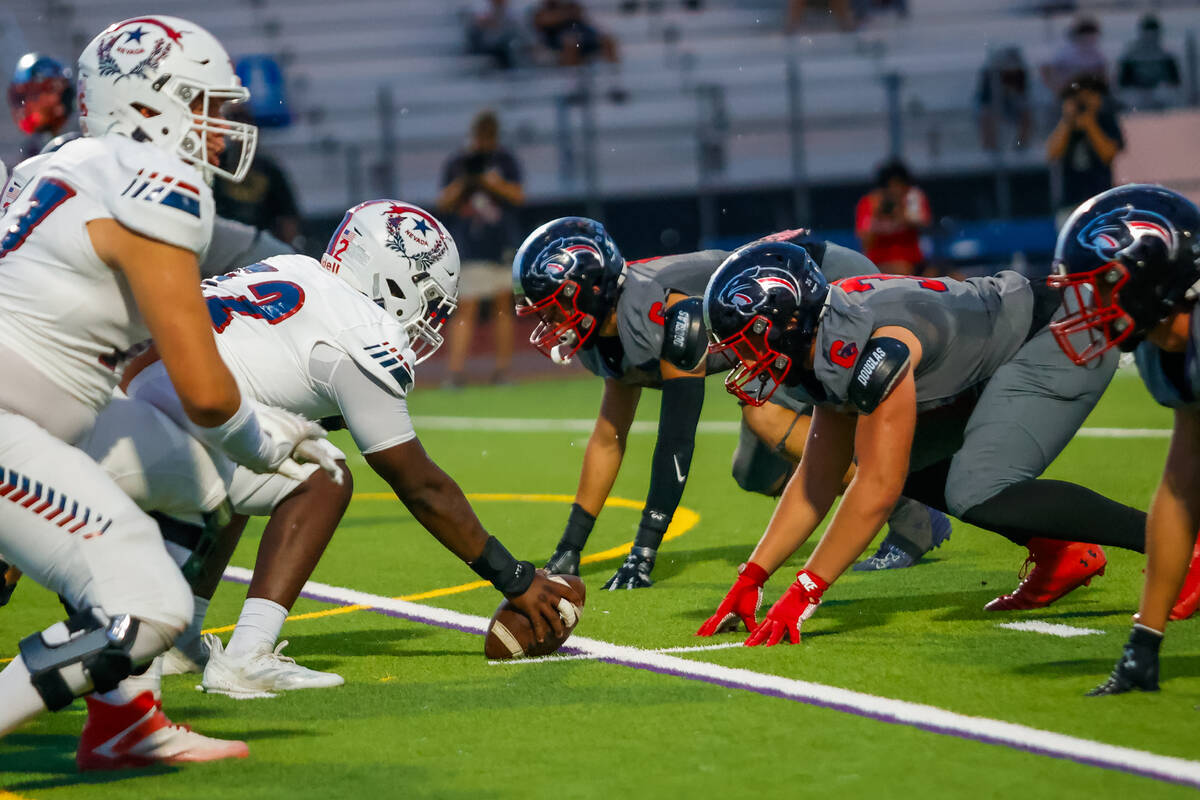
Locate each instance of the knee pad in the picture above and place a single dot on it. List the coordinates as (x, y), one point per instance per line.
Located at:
(758, 468)
(90, 651)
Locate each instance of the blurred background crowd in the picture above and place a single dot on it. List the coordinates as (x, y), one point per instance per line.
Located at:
(938, 136)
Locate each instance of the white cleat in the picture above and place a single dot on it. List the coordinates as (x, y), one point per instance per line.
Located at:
(260, 674)
(189, 658)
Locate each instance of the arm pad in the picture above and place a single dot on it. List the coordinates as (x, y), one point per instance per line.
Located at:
(883, 362)
(685, 342)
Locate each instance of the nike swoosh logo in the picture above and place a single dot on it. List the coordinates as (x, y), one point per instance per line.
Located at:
(678, 472)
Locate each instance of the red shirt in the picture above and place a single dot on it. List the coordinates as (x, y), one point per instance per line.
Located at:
(891, 241)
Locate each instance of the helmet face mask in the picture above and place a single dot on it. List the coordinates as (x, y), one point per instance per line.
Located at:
(562, 328)
(761, 310)
(402, 258)
(164, 80)
(758, 369)
(41, 94)
(1125, 261)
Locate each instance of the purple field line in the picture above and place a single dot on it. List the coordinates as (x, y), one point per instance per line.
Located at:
(1188, 773)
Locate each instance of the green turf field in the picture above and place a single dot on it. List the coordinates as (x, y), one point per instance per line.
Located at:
(424, 715)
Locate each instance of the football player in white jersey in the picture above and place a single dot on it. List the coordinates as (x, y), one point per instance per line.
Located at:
(99, 252)
(340, 337)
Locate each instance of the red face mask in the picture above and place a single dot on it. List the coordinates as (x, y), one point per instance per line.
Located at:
(758, 370)
(1095, 322)
(38, 105)
(563, 328)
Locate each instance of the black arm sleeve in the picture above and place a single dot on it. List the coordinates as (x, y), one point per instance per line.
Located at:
(682, 399)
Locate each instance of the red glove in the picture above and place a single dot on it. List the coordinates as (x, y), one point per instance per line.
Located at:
(785, 617)
(743, 600)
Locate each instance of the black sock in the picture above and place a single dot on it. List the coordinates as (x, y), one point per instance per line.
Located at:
(1059, 510)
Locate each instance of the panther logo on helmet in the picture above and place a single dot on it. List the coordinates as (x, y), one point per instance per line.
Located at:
(128, 44)
(1113, 232)
(415, 235)
(750, 292)
(561, 256)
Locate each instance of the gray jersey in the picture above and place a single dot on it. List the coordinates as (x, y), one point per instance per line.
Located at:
(1173, 379)
(633, 356)
(967, 330)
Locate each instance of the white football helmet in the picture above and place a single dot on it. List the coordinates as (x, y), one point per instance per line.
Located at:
(163, 64)
(401, 257)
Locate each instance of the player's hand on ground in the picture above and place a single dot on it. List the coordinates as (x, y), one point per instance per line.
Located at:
(1137, 667)
(565, 561)
(741, 603)
(789, 612)
(540, 603)
(635, 572)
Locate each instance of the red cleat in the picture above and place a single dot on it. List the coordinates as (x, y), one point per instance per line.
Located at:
(1189, 596)
(138, 734)
(1052, 570)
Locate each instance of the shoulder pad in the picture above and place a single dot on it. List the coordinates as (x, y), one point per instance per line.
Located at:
(161, 197)
(882, 364)
(685, 341)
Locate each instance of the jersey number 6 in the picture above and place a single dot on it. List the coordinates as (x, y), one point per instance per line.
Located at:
(273, 301)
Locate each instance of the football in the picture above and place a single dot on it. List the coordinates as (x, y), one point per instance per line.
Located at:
(510, 633)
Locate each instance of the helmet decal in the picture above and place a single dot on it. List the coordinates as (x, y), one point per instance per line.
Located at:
(128, 44)
(415, 235)
(1111, 233)
(750, 291)
(562, 255)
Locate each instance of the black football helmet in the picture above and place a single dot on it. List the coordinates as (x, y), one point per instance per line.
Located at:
(569, 273)
(761, 310)
(1125, 260)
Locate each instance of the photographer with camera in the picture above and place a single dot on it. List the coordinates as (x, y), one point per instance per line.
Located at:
(889, 221)
(1084, 143)
(481, 190)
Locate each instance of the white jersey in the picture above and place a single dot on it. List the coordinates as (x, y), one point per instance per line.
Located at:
(61, 308)
(284, 325)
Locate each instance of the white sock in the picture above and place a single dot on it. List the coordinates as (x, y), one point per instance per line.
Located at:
(259, 624)
(19, 701)
(131, 687)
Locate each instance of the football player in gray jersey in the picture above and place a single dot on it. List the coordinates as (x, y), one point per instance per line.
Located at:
(950, 392)
(637, 325)
(1128, 263)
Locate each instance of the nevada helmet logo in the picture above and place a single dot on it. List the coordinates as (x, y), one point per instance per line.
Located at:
(125, 54)
(1113, 232)
(415, 235)
(750, 290)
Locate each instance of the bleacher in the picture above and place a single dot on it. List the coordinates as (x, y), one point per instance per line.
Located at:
(340, 58)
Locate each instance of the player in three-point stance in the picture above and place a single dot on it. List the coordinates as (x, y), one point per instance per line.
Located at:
(952, 392)
(99, 251)
(336, 338)
(637, 325)
(1128, 263)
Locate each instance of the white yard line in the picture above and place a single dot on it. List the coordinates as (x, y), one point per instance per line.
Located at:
(900, 712)
(1049, 628)
(527, 425)
(595, 656)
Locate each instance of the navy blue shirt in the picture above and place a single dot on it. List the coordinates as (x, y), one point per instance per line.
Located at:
(484, 226)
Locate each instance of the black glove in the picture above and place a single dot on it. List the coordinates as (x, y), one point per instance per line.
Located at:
(635, 572)
(565, 561)
(1138, 666)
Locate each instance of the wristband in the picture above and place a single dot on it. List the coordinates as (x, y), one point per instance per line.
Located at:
(497, 566)
(652, 528)
(579, 527)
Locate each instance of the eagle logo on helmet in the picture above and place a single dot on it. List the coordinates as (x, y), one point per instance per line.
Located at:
(750, 291)
(561, 256)
(415, 235)
(132, 46)
(1113, 232)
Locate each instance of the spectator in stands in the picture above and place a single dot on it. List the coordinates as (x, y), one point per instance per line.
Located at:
(1147, 74)
(1084, 143)
(565, 29)
(890, 218)
(839, 9)
(264, 198)
(481, 192)
(495, 31)
(1003, 98)
(1079, 56)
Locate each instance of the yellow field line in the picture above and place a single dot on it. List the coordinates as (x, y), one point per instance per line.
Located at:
(685, 519)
